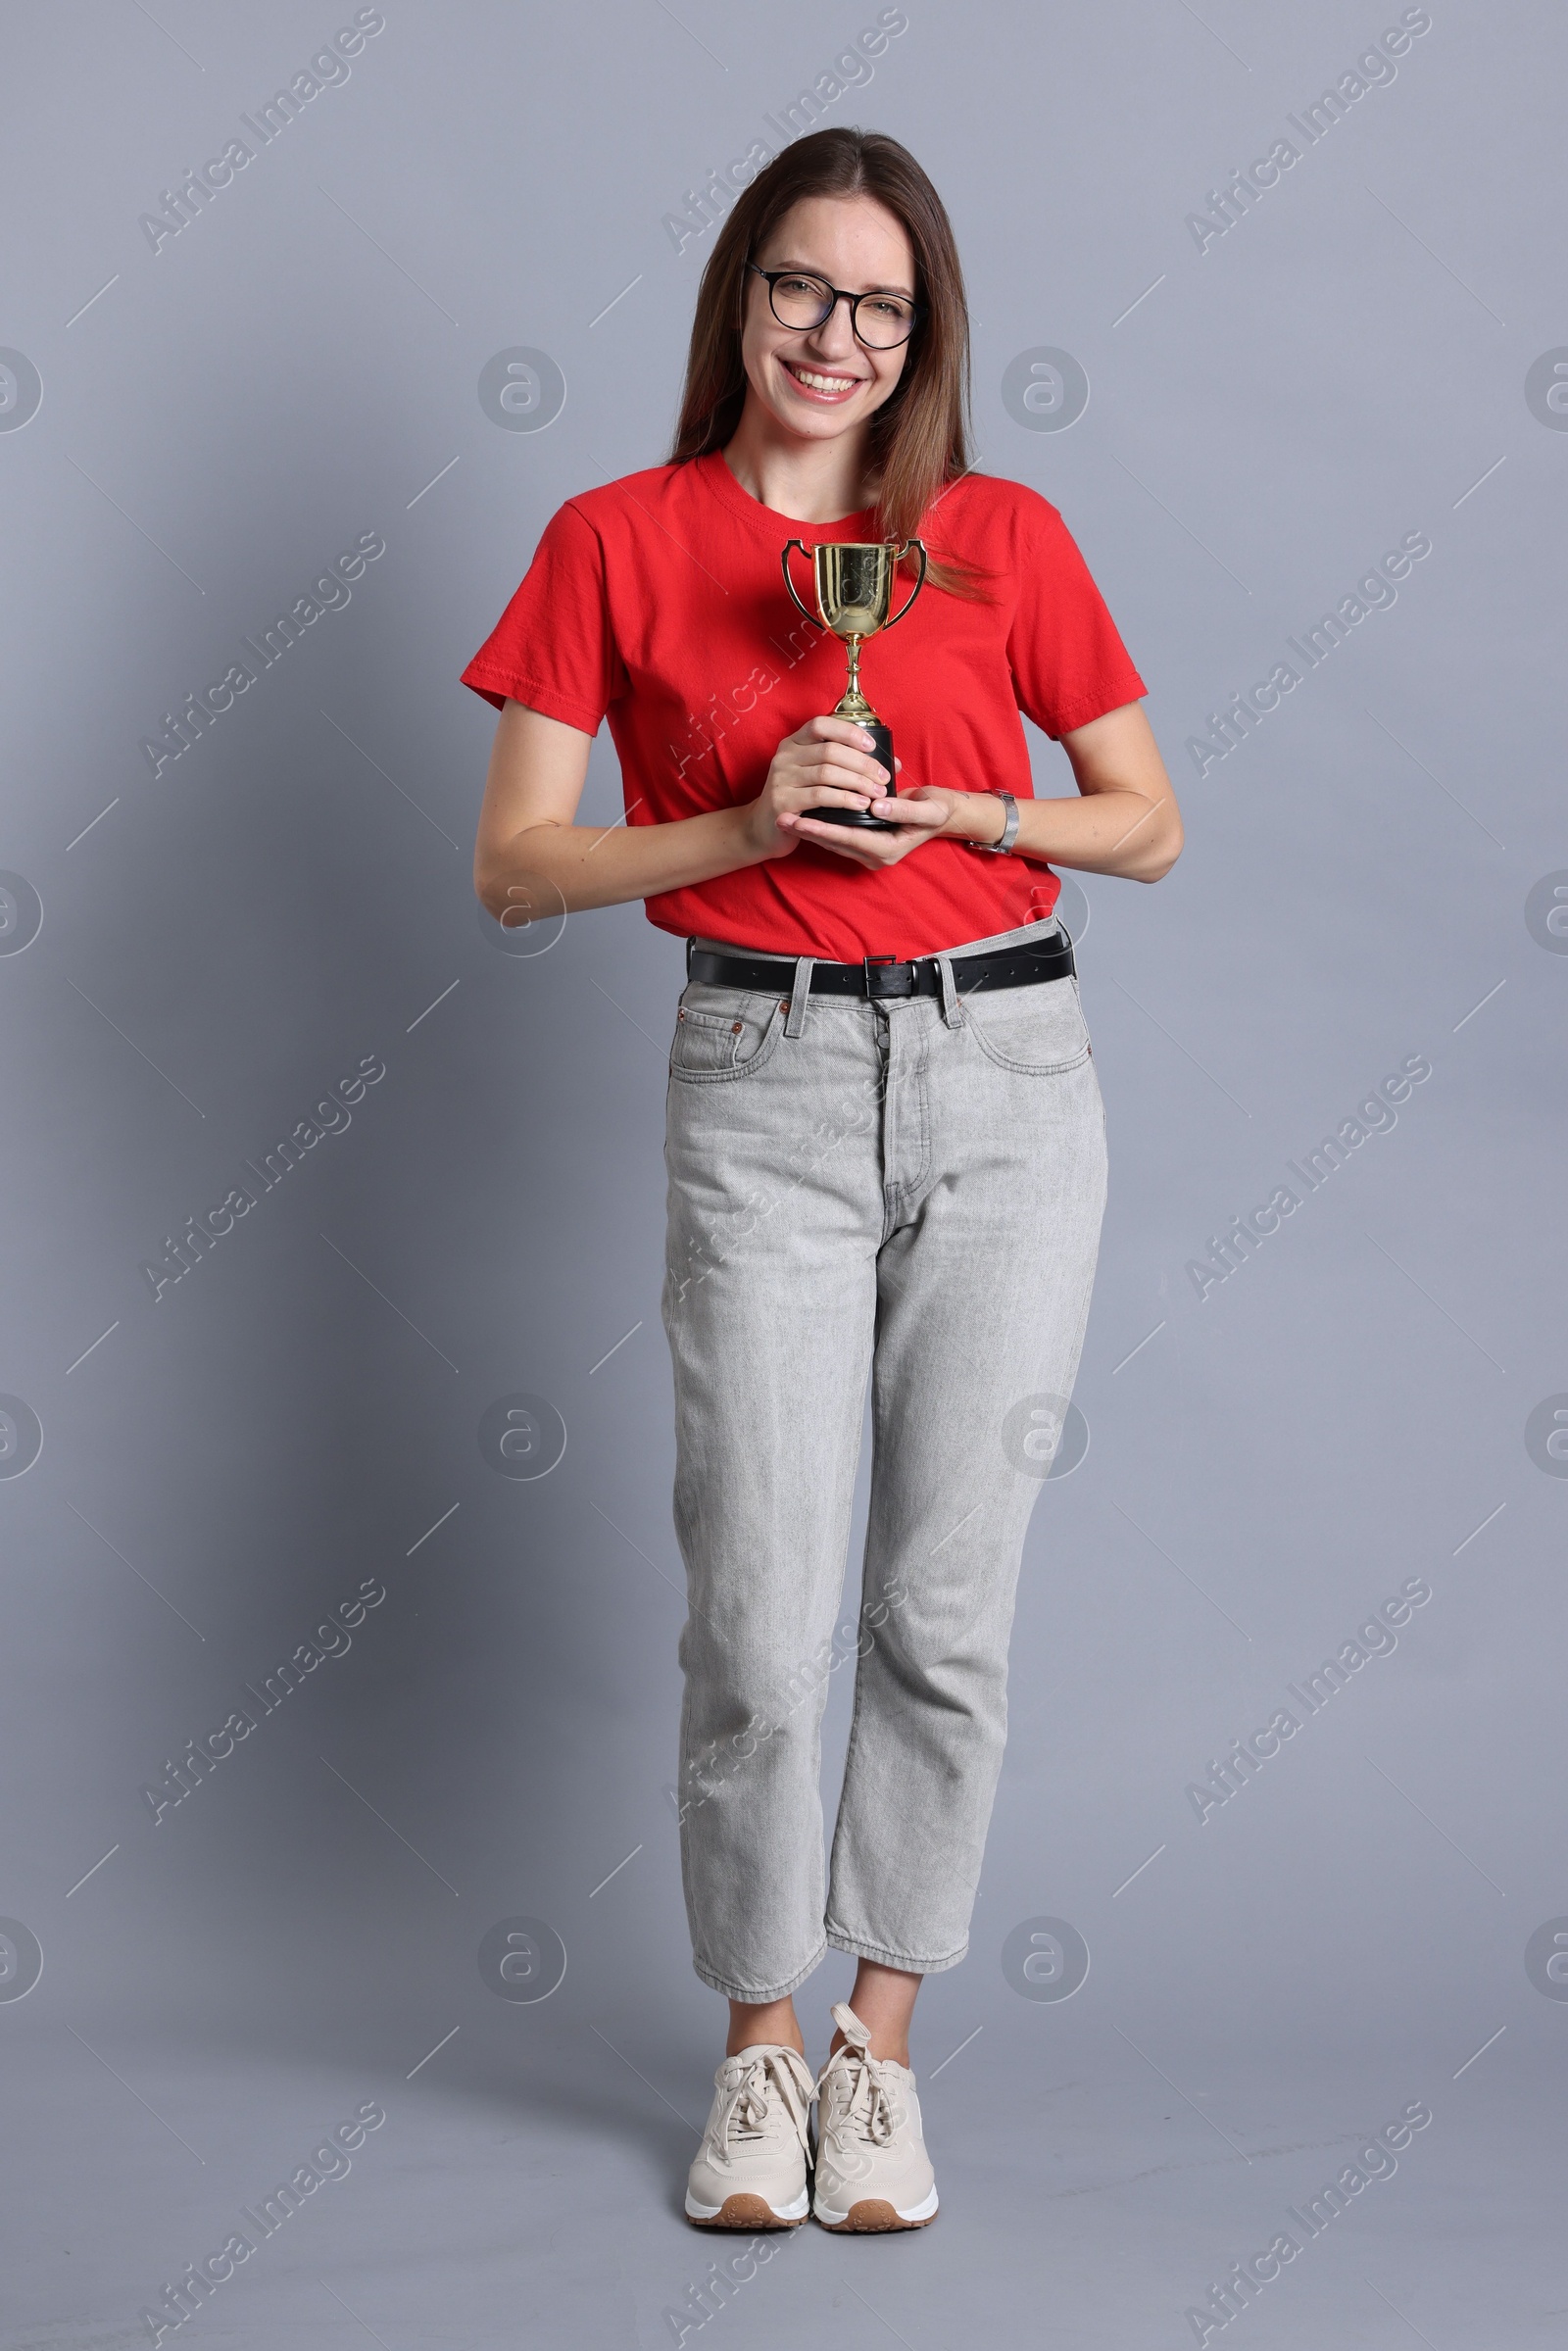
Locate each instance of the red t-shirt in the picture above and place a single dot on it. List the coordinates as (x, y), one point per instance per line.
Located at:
(659, 601)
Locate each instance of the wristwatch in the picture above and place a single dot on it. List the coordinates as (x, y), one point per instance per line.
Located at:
(1009, 831)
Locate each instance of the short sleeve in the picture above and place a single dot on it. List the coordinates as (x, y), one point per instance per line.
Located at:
(554, 647)
(1068, 662)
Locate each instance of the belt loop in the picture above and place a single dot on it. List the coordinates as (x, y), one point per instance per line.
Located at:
(951, 1008)
(800, 995)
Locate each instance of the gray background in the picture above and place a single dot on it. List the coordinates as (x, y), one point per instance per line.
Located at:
(222, 418)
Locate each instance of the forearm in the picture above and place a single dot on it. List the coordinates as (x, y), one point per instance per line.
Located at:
(1121, 832)
(605, 865)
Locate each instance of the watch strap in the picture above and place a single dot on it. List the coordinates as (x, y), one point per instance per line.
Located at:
(1009, 829)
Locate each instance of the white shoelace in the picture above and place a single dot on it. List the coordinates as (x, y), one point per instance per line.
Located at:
(747, 2104)
(863, 2103)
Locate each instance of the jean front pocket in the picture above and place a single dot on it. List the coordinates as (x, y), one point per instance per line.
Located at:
(1035, 1030)
(723, 1032)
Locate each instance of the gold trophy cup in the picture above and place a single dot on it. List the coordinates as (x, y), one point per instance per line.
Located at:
(853, 585)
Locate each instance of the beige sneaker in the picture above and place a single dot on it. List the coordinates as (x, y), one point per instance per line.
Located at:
(750, 2171)
(872, 2170)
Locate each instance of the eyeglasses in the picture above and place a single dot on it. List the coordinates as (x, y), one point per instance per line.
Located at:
(801, 302)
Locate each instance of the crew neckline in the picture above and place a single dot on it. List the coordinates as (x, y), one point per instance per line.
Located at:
(767, 519)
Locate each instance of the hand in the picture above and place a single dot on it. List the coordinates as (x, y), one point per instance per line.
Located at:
(826, 763)
(924, 813)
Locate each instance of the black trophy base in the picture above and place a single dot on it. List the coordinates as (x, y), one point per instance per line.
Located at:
(856, 818)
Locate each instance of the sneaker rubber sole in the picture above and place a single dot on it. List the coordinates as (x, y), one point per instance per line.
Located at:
(874, 2214)
(749, 2212)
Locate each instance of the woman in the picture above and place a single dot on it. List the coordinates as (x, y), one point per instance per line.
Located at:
(885, 1140)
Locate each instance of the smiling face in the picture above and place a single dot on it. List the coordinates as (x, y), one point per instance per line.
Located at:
(824, 382)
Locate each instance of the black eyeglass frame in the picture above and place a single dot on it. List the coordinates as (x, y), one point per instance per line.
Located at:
(840, 294)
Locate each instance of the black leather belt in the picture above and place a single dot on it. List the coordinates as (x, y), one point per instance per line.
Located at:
(878, 976)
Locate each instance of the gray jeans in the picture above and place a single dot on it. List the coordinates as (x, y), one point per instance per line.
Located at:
(911, 1191)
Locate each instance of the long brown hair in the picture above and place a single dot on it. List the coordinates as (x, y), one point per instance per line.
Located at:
(920, 437)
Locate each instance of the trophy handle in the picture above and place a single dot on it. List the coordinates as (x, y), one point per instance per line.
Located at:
(919, 585)
(790, 584)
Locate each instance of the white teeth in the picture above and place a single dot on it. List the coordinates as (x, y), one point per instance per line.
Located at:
(824, 383)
